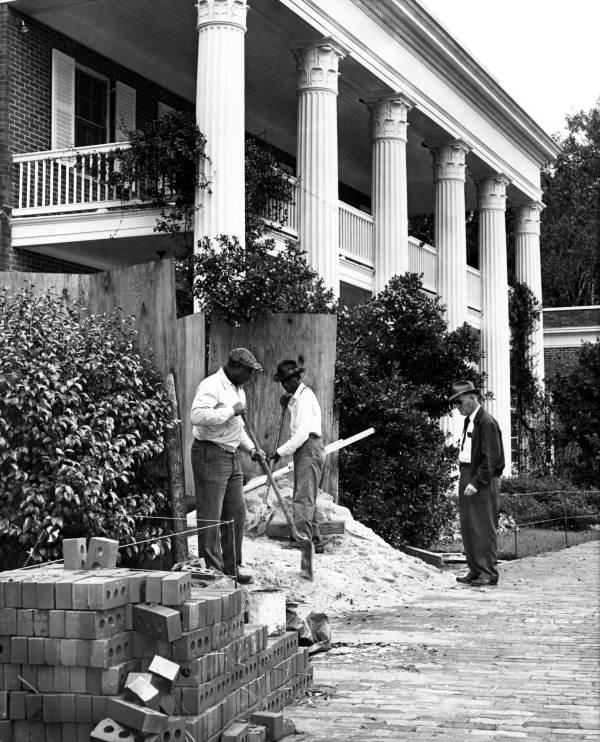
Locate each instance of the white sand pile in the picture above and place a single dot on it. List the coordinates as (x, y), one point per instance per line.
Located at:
(359, 571)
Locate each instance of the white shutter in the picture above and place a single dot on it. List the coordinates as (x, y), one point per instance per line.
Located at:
(63, 101)
(163, 109)
(124, 111)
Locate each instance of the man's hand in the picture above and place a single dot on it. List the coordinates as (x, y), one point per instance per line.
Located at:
(470, 490)
(284, 400)
(258, 455)
(274, 457)
(239, 408)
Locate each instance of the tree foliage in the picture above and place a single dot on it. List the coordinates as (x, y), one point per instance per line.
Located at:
(82, 423)
(576, 403)
(570, 231)
(395, 363)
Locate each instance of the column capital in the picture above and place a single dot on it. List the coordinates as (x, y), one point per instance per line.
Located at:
(317, 64)
(222, 12)
(448, 159)
(388, 115)
(491, 192)
(527, 218)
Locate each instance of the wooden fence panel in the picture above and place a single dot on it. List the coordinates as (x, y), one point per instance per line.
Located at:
(310, 337)
(189, 372)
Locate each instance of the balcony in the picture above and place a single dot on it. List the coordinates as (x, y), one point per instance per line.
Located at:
(63, 197)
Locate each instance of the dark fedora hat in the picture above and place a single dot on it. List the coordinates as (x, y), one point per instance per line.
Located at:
(287, 368)
(462, 387)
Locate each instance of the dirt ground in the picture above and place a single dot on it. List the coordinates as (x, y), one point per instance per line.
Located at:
(358, 571)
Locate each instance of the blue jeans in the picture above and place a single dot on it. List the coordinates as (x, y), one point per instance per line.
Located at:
(309, 461)
(218, 482)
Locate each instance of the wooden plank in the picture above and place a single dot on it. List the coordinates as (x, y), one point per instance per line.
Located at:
(281, 531)
(312, 337)
(176, 476)
(436, 560)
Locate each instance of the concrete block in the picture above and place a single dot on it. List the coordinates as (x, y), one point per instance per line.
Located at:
(136, 584)
(214, 609)
(192, 644)
(18, 704)
(99, 593)
(74, 652)
(236, 732)
(46, 599)
(112, 651)
(18, 650)
(29, 586)
(6, 731)
(45, 679)
(69, 731)
(154, 586)
(194, 672)
(196, 700)
(74, 553)
(41, 623)
(211, 721)
(141, 690)
(145, 646)
(159, 621)
(257, 733)
(95, 624)
(33, 707)
(8, 622)
(109, 731)
(35, 650)
(3, 704)
(13, 589)
(62, 680)
(165, 670)
(20, 731)
(67, 708)
(83, 708)
(51, 708)
(53, 733)
(77, 679)
(24, 621)
(167, 704)
(290, 643)
(56, 623)
(176, 587)
(102, 553)
(111, 681)
(141, 719)
(193, 614)
(52, 651)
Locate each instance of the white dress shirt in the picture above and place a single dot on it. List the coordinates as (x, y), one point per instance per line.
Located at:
(212, 413)
(306, 419)
(464, 455)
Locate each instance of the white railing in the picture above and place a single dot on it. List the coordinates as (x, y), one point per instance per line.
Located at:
(289, 212)
(62, 181)
(422, 258)
(355, 234)
(474, 288)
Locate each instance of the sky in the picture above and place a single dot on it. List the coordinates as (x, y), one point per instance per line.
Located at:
(544, 53)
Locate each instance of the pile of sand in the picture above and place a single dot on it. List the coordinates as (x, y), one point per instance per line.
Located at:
(359, 571)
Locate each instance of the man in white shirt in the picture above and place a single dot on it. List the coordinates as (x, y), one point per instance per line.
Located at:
(305, 445)
(219, 435)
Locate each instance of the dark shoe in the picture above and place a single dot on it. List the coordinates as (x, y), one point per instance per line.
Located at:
(319, 547)
(244, 579)
(467, 579)
(484, 582)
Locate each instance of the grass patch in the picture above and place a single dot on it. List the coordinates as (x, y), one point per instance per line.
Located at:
(530, 542)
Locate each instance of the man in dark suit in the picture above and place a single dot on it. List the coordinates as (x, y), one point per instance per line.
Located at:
(481, 460)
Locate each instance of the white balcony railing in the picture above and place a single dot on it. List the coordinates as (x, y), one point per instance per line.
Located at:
(63, 181)
(355, 234)
(474, 288)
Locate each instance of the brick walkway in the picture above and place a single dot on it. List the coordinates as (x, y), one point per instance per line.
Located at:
(518, 661)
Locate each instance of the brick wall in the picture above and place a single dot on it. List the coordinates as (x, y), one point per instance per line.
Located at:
(559, 359)
(25, 101)
(572, 317)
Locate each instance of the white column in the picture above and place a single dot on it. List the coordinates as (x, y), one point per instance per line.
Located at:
(317, 162)
(220, 117)
(450, 230)
(528, 270)
(389, 187)
(495, 330)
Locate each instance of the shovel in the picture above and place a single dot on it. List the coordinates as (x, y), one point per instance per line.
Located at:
(307, 546)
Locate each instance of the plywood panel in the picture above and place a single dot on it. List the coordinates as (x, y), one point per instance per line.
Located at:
(310, 337)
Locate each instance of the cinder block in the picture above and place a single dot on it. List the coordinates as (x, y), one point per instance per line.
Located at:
(212, 721)
(35, 650)
(193, 614)
(141, 719)
(13, 589)
(6, 731)
(112, 651)
(257, 733)
(109, 731)
(46, 599)
(83, 708)
(41, 623)
(33, 707)
(18, 650)
(145, 646)
(102, 553)
(140, 690)
(99, 593)
(166, 704)
(24, 621)
(214, 609)
(52, 651)
(236, 732)
(165, 670)
(20, 731)
(62, 680)
(18, 704)
(3, 704)
(74, 553)
(176, 587)
(45, 679)
(63, 589)
(136, 585)
(8, 622)
(67, 708)
(56, 624)
(74, 652)
(77, 680)
(53, 733)
(196, 700)
(192, 644)
(154, 586)
(51, 708)
(99, 708)
(159, 621)
(95, 624)
(194, 672)
(111, 681)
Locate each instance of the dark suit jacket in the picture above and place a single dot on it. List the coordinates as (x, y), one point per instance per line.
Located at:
(487, 452)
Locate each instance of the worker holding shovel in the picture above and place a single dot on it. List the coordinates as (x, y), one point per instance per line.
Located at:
(305, 445)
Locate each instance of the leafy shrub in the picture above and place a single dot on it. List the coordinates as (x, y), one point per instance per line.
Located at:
(240, 284)
(547, 501)
(396, 361)
(82, 424)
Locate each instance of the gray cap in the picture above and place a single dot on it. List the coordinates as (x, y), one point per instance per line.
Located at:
(243, 357)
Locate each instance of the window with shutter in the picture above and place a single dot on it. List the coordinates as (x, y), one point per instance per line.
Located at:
(91, 102)
(63, 101)
(125, 101)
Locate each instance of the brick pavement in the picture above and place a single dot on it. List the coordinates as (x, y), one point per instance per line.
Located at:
(520, 661)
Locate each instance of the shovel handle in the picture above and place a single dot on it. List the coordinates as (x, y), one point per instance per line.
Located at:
(272, 482)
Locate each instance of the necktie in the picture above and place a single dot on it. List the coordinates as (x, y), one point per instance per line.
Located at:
(464, 435)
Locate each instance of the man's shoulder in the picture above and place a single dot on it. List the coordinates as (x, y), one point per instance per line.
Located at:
(212, 380)
(483, 417)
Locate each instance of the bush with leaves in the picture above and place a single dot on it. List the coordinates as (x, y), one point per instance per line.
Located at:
(576, 403)
(241, 284)
(82, 424)
(395, 364)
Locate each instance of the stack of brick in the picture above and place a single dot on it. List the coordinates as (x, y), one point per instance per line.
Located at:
(120, 654)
